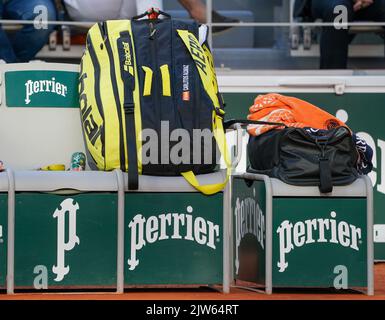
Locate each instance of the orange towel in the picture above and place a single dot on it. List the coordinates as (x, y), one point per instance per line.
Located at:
(291, 111)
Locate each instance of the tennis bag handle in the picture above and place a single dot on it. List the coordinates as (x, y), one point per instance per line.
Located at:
(229, 123)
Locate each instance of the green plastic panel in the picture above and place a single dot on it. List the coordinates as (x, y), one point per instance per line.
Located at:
(173, 238)
(72, 238)
(315, 238)
(58, 89)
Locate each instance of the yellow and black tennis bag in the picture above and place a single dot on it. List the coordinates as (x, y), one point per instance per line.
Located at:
(148, 98)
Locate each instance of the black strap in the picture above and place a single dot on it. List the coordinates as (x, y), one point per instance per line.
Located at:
(326, 183)
(227, 124)
(129, 107)
(133, 183)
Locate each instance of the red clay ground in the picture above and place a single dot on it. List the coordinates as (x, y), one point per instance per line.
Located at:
(204, 294)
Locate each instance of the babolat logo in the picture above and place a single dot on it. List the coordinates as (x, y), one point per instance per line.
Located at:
(127, 55)
(301, 233)
(249, 219)
(91, 129)
(170, 226)
(40, 86)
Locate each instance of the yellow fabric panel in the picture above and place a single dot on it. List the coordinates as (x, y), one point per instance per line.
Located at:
(114, 28)
(202, 63)
(166, 83)
(211, 65)
(89, 84)
(147, 81)
(108, 101)
(95, 150)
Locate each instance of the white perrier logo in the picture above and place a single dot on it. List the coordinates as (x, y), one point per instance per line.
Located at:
(301, 233)
(40, 86)
(173, 226)
(66, 239)
(249, 219)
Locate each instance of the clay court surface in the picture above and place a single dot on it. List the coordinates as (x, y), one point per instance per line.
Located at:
(209, 294)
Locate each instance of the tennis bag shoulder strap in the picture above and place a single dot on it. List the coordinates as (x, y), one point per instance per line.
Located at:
(110, 100)
(205, 64)
(128, 77)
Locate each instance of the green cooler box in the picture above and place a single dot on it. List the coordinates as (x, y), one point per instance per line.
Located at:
(65, 230)
(289, 236)
(81, 230)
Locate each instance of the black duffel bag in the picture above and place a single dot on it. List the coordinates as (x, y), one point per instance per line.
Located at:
(305, 157)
